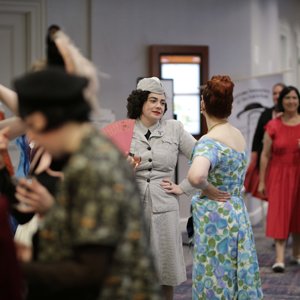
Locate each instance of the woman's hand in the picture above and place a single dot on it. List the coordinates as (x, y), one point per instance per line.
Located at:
(214, 194)
(133, 160)
(33, 197)
(262, 188)
(170, 187)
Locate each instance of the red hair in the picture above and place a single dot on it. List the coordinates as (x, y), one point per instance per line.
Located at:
(218, 96)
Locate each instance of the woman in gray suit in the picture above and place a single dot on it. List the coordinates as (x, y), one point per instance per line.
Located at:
(158, 143)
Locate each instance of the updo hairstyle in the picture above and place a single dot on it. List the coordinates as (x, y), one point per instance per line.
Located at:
(218, 96)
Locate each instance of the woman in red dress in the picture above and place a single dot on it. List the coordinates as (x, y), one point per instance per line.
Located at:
(280, 176)
(252, 174)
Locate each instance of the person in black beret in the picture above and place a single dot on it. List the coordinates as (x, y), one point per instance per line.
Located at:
(92, 242)
(61, 53)
(57, 95)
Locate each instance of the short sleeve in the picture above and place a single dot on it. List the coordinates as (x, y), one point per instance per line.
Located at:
(208, 149)
(271, 128)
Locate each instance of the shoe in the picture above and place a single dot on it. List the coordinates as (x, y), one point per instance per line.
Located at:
(278, 267)
(295, 261)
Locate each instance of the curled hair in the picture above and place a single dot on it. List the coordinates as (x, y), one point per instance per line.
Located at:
(218, 96)
(283, 93)
(135, 103)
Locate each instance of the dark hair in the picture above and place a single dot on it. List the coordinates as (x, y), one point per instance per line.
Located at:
(218, 96)
(283, 93)
(57, 116)
(59, 96)
(135, 103)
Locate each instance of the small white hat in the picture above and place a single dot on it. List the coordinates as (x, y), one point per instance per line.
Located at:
(151, 84)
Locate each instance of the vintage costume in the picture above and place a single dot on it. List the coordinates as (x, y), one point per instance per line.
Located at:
(225, 263)
(159, 156)
(283, 180)
(98, 207)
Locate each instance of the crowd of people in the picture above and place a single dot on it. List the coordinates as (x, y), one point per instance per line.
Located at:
(107, 226)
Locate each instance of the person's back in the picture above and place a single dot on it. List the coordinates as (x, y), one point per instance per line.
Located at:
(225, 261)
(230, 136)
(229, 146)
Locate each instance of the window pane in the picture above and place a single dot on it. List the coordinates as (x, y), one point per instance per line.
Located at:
(186, 77)
(187, 109)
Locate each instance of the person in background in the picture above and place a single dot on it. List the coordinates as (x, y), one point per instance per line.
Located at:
(92, 242)
(158, 143)
(252, 174)
(279, 178)
(225, 262)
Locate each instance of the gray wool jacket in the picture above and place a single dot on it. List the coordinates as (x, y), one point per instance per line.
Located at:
(159, 157)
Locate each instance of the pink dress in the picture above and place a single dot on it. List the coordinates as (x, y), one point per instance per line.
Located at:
(283, 180)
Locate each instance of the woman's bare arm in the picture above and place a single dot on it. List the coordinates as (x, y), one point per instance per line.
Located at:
(264, 160)
(16, 127)
(9, 98)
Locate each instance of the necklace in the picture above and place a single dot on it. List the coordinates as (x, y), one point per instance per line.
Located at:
(220, 123)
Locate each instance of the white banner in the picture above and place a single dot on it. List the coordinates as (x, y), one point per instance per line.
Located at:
(251, 97)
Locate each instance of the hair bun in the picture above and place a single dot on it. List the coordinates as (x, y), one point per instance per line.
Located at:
(221, 85)
(218, 96)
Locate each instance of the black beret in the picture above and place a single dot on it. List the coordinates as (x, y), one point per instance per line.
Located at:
(49, 88)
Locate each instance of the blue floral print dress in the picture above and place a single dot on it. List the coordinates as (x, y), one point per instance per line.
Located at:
(225, 263)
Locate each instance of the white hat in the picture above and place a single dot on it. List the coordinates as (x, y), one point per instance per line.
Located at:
(151, 84)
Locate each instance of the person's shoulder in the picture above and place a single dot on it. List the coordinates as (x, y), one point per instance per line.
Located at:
(267, 113)
(172, 123)
(237, 132)
(269, 110)
(176, 128)
(96, 147)
(206, 140)
(275, 122)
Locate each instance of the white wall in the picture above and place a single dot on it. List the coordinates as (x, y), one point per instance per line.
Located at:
(289, 26)
(264, 37)
(122, 31)
(73, 16)
(242, 35)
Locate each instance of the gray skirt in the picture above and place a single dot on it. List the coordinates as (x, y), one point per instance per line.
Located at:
(166, 244)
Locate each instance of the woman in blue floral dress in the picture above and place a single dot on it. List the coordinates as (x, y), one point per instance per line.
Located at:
(225, 263)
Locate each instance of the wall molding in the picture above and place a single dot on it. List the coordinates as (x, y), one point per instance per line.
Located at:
(35, 14)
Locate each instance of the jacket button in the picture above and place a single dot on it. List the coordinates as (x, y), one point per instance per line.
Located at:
(150, 169)
(149, 148)
(150, 159)
(148, 180)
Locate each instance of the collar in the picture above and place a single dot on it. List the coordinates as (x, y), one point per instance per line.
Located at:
(157, 130)
(144, 129)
